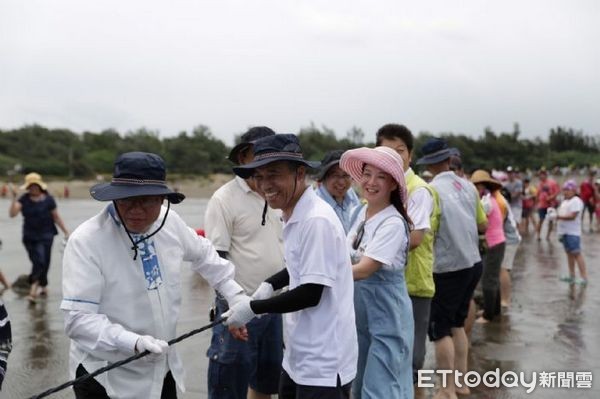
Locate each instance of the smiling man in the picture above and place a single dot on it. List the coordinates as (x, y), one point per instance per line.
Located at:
(320, 356)
(122, 280)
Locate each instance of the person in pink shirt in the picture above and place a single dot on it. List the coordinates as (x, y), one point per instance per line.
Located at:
(548, 190)
(495, 207)
(587, 193)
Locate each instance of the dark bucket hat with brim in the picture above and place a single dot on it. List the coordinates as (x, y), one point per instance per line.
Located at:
(434, 151)
(330, 159)
(248, 139)
(136, 174)
(279, 147)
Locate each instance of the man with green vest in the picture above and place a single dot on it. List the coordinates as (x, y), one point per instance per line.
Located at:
(424, 211)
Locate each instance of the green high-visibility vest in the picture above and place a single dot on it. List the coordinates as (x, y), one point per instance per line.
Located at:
(419, 269)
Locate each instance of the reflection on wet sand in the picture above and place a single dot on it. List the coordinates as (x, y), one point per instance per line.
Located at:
(550, 326)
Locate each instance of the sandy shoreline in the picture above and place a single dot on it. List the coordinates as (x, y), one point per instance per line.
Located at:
(196, 187)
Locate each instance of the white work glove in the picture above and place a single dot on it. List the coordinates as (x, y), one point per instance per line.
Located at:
(264, 291)
(156, 347)
(239, 314)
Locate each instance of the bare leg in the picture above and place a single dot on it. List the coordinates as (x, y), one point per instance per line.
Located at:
(581, 264)
(550, 225)
(4, 281)
(571, 263)
(461, 350)
(252, 394)
(505, 287)
(33, 292)
(444, 357)
(470, 318)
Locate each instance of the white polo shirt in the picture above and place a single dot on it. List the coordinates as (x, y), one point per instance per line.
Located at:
(321, 341)
(108, 301)
(233, 224)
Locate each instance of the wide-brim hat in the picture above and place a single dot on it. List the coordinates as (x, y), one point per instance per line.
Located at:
(34, 178)
(435, 150)
(331, 159)
(279, 147)
(384, 158)
(483, 177)
(136, 174)
(248, 139)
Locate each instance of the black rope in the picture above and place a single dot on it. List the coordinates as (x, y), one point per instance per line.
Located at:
(124, 361)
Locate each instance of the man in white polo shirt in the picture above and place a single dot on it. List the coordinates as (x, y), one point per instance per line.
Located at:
(320, 333)
(245, 363)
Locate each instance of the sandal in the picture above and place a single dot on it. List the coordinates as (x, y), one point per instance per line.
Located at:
(31, 299)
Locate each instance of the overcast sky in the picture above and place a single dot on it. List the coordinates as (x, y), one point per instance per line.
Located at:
(435, 66)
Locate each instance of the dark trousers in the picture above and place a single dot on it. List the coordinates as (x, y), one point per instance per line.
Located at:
(421, 307)
(39, 252)
(91, 389)
(288, 389)
(490, 280)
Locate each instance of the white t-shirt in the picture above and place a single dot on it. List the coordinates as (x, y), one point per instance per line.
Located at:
(567, 207)
(233, 224)
(419, 209)
(384, 238)
(321, 341)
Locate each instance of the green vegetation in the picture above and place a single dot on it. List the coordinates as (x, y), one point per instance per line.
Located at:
(61, 152)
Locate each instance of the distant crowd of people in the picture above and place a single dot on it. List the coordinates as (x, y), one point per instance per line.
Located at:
(326, 290)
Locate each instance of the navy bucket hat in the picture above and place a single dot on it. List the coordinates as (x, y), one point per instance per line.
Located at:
(279, 147)
(435, 150)
(248, 139)
(330, 159)
(136, 174)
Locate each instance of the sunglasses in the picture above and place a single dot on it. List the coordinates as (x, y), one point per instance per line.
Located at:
(359, 235)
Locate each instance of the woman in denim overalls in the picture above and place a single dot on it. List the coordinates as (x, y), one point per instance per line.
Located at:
(379, 247)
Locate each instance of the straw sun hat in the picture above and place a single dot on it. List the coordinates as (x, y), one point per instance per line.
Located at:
(34, 178)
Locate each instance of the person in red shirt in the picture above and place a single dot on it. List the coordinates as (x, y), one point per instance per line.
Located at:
(548, 190)
(588, 196)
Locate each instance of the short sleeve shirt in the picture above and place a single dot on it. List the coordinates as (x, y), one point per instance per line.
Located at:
(384, 239)
(567, 207)
(321, 341)
(38, 222)
(233, 224)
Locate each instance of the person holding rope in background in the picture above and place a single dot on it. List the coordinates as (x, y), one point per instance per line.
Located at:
(122, 283)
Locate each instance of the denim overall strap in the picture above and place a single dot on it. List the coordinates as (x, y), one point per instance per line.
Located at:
(385, 329)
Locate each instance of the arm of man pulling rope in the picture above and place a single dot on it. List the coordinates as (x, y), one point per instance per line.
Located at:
(122, 362)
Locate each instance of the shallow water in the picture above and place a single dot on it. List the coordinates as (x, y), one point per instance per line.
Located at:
(551, 327)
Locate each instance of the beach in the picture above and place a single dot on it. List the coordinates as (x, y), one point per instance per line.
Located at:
(551, 326)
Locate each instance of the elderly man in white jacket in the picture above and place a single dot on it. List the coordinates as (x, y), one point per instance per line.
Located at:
(121, 283)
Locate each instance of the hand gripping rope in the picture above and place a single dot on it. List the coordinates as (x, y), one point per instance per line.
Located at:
(124, 361)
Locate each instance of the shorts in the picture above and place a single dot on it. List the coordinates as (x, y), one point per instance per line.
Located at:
(571, 243)
(509, 256)
(517, 212)
(542, 213)
(234, 365)
(450, 303)
(526, 212)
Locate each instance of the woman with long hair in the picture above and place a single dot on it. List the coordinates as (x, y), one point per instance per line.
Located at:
(39, 219)
(379, 241)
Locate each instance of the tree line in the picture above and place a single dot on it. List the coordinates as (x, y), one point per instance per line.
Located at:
(64, 153)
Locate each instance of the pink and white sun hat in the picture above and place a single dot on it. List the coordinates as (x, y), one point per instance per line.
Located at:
(384, 158)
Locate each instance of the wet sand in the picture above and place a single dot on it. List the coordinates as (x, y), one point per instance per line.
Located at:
(550, 326)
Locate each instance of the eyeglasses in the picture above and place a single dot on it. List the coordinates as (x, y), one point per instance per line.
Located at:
(145, 202)
(359, 235)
